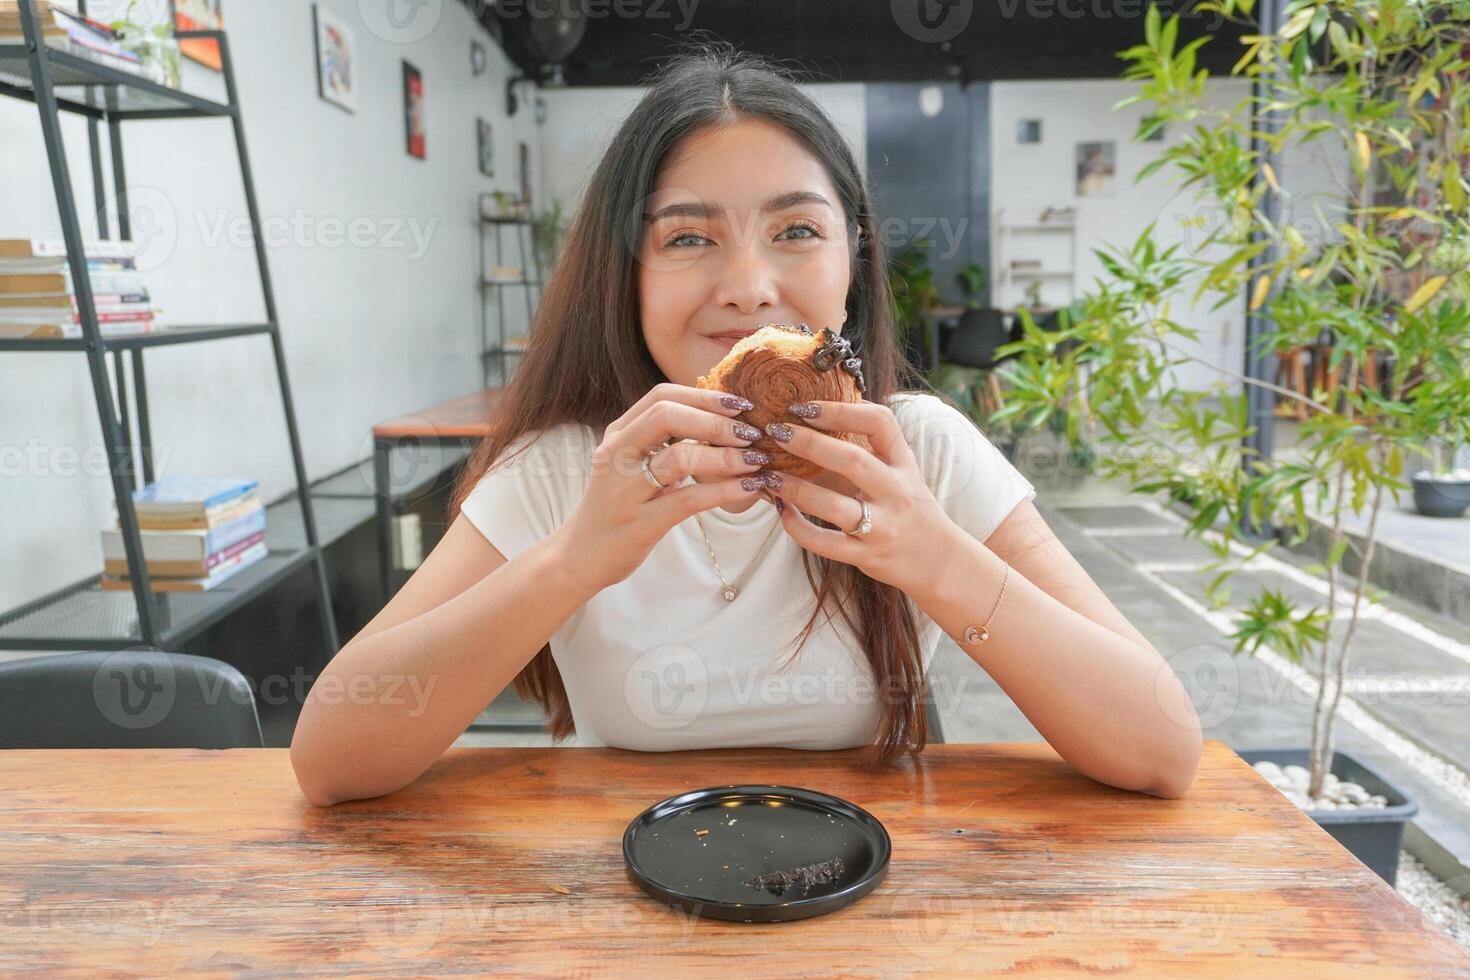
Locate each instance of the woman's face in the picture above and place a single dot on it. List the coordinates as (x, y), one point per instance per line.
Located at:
(743, 228)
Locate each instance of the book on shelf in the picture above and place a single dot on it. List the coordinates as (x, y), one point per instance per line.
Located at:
(197, 546)
(222, 572)
(181, 567)
(63, 29)
(37, 298)
(178, 499)
(507, 273)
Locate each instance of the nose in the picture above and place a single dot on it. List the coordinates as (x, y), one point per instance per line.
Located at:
(748, 282)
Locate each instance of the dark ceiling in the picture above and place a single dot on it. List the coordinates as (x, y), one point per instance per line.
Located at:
(859, 40)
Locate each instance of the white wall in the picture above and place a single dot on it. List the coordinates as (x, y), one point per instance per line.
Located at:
(371, 330)
(1026, 178)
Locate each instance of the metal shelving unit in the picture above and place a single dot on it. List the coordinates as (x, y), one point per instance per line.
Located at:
(82, 615)
(495, 354)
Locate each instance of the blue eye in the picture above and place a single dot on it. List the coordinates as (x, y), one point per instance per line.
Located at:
(805, 226)
(683, 234)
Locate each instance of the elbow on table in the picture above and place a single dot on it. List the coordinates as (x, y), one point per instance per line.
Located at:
(1177, 774)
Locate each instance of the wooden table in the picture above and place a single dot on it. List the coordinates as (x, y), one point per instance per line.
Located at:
(1005, 859)
(464, 419)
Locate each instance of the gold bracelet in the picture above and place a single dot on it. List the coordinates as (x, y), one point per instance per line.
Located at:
(975, 635)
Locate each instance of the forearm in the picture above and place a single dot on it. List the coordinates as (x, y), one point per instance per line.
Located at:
(389, 704)
(1110, 706)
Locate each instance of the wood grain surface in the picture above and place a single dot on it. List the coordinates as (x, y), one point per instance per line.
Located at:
(464, 417)
(508, 861)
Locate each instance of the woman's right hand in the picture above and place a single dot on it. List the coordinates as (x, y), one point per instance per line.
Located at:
(621, 516)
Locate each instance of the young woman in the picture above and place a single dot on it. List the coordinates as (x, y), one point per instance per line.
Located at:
(650, 610)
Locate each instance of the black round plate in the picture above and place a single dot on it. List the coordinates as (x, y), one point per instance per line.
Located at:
(755, 830)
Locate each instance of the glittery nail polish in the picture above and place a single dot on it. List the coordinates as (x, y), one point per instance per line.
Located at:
(780, 504)
(736, 403)
(753, 483)
(744, 430)
(806, 410)
(772, 478)
(780, 431)
(756, 457)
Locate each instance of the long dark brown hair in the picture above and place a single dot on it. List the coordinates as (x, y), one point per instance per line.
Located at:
(588, 362)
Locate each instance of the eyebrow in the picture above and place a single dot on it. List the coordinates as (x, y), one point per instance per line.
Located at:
(699, 209)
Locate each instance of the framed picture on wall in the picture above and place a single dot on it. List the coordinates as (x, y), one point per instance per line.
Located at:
(413, 112)
(1096, 166)
(486, 142)
(1028, 131)
(199, 15)
(336, 71)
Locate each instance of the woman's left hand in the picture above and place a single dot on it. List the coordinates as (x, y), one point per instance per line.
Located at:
(909, 527)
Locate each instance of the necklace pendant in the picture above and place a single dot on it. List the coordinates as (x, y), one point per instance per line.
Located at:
(730, 593)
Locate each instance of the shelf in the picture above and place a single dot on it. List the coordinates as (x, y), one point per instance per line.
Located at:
(507, 282)
(501, 351)
(486, 219)
(93, 89)
(1057, 226)
(157, 338)
(1040, 273)
(85, 617)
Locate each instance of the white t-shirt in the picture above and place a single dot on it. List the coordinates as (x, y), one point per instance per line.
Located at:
(661, 661)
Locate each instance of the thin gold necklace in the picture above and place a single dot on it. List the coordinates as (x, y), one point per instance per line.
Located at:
(727, 590)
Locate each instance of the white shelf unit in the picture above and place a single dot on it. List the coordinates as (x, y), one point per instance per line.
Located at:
(1033, 240)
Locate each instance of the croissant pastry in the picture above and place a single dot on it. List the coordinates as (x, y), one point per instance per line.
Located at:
(783, 363)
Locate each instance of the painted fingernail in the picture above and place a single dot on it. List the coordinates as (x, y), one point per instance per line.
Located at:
(736, 403)
(744, 430)
(772, 478)
(753, 483)
(756, 457)
(780, 431)
(806, 410)
(780, 505)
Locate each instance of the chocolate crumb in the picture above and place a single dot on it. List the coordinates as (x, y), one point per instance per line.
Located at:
(777, 882)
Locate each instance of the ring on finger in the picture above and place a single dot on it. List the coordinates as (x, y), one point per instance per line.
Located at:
(648, 471)
(865, 523)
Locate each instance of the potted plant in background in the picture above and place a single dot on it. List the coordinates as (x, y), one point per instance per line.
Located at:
(1445, 490)
(911, 283)
(548, 228)
(152, 40)
(973, 281)
(1383, 84)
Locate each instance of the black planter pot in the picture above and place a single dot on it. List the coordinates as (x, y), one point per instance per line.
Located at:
(1374, 836)
(1441, 496)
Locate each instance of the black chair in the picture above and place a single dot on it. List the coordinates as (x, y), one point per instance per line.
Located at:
(973, 345)
(125, 699)
(974, 341)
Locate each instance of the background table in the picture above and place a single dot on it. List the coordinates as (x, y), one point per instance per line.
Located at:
(509, 860)
(459, 420)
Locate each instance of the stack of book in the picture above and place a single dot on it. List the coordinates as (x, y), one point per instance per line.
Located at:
(197, 532)
(63, 29)
(37, 297)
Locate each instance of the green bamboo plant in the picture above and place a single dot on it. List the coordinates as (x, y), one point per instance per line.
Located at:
(1384, 86)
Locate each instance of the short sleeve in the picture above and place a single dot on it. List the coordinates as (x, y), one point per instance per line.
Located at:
(525, 495)
(971, 478)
